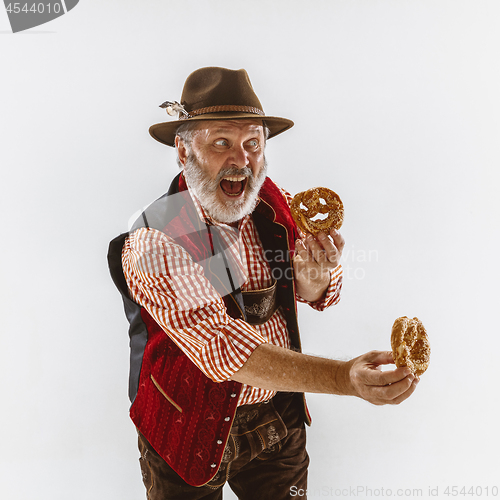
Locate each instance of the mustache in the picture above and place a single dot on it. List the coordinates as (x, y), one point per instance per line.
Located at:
(205, 189)
(234, 172)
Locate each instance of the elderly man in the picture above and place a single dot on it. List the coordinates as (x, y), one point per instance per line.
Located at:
(210, 275)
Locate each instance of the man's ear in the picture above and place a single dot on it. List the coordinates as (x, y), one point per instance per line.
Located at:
(181, 150)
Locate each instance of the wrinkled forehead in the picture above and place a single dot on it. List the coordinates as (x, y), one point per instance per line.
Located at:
(228, 126)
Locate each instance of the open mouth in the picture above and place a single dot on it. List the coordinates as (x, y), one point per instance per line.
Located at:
(233, 186)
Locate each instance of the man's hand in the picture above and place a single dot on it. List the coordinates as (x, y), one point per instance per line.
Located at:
(363, 377)
(313, 261)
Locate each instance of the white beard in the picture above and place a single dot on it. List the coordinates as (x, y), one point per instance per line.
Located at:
(205, 189)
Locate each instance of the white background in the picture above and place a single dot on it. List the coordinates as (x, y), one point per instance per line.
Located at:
(396, 105)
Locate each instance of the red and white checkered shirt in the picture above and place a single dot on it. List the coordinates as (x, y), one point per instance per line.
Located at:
(164, 279)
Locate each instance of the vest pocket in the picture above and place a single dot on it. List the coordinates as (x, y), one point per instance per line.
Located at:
(169, 399)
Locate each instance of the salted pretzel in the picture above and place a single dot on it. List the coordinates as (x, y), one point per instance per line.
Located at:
(306, 205)
(410, 345)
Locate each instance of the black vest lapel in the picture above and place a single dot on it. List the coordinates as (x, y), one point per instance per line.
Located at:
(275, 242)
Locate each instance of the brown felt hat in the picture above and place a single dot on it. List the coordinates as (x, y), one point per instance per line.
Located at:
(216, 94)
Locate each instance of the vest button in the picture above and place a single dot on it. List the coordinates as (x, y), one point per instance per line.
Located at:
(213, 465)
(219, 441)
(227, 419)
(233, 395)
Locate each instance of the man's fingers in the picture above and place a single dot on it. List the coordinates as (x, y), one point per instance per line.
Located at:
(406, 394)
(376, 378)
(392, 394)
(338, 239)
(322, 249)
(378, 357)
(301, 250)
(315, 249)
(301, 261)
(330, 251)
(372, 376)
(395, 390)
(382, 387)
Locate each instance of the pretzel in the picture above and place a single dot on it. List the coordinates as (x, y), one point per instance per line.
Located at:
(307, 205)
(410, 345)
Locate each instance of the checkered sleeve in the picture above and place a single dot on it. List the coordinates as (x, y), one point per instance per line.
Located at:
(163, 278)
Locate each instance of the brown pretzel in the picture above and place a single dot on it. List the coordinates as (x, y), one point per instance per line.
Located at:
(307, 205)
(410, 345)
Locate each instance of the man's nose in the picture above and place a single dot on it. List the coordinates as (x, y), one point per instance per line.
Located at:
(239, 156)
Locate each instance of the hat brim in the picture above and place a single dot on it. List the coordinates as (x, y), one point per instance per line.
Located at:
(165, 132)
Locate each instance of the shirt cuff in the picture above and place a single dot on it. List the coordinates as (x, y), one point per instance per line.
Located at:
(332, 295)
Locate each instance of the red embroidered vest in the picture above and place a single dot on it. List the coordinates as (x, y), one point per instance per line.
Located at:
(183, 414)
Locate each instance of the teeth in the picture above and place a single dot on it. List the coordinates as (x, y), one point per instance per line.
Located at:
(235, 179)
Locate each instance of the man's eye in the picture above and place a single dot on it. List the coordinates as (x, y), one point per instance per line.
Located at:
(254, 143)
(221, 142)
